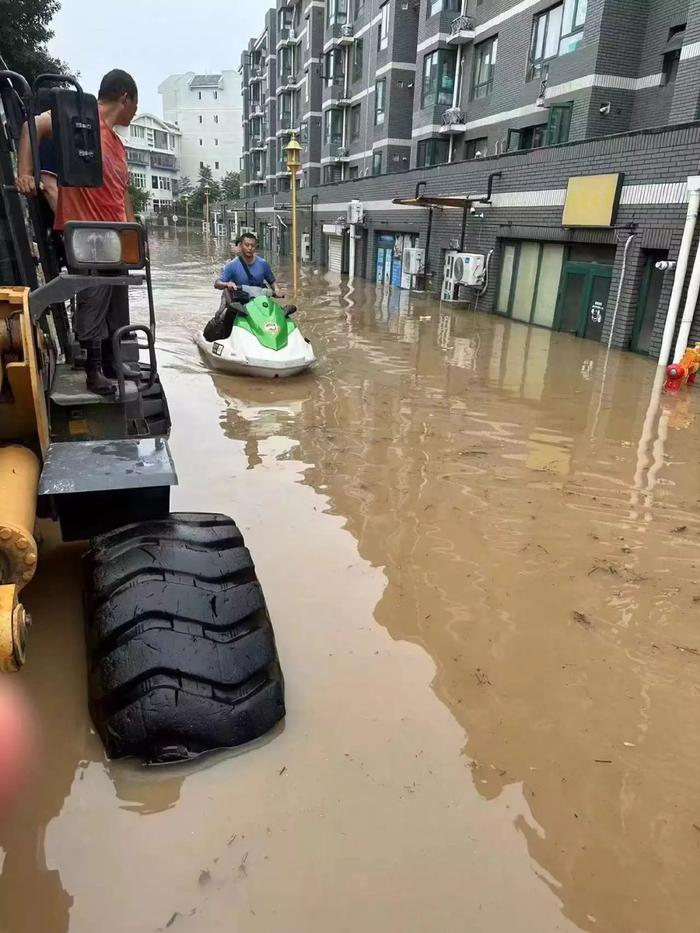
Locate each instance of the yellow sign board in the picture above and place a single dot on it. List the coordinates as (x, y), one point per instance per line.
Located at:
(592, 200)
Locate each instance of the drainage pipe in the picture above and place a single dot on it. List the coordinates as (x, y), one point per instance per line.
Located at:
(619, 288)
(457, 93)
(681, 269)
(689, 310)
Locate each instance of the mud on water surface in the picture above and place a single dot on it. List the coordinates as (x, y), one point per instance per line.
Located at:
(481, 557)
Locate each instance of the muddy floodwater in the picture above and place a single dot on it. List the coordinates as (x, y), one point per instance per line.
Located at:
(481, 554)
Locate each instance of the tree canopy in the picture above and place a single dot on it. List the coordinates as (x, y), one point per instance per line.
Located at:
(25, 28)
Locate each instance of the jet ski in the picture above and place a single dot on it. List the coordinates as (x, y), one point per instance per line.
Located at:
(255, 336)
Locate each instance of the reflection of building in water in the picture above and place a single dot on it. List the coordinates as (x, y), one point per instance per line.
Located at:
(488, 517)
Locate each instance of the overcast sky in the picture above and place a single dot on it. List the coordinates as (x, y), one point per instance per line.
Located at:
(152, 40)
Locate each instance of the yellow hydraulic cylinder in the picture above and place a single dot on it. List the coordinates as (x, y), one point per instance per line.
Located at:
(19, 480)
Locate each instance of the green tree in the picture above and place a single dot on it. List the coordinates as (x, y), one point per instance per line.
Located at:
(198, 199)
(231, 186)
(139, 198)
(24, 32)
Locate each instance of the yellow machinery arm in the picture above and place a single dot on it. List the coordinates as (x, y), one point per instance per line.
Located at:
(23, 435)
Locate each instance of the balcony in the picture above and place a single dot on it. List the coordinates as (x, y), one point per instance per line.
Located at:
(286, 125)
(256, 111)
(256, 74)
(454, 122)
(341, 36)
(461, 31)
(336, 92)
(287, 37)
(341, 155)
(257, 144)
(288, 82)
(160, 160)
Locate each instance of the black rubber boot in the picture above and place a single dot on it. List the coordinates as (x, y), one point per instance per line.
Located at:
(96, 380)
(131, 370)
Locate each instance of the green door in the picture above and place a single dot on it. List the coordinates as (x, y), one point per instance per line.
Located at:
(583, 299)
(649, 295)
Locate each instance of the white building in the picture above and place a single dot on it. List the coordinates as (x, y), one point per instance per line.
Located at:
(153, 154)
(208, 111)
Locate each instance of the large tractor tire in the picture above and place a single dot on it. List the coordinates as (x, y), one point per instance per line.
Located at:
(181, 653)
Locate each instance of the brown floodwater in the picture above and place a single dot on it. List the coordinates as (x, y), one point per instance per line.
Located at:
(478, 542)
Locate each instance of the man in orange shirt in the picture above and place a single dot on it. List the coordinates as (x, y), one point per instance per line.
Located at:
(100, 310)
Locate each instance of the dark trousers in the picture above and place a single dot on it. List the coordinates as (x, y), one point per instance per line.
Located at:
(101, 311)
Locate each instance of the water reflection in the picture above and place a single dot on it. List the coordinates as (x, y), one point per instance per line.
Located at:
(488, 468)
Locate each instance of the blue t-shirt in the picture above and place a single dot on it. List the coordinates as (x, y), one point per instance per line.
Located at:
(260, 273)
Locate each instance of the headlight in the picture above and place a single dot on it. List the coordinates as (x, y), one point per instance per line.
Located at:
(104, 246)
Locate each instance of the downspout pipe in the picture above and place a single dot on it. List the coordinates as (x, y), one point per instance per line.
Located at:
(691, 302)
(314, 199)
(681, 268)
(619, 288)
(458, 83)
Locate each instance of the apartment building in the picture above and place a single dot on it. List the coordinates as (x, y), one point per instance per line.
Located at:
(153, 156)
(207, 110)
(528, 98)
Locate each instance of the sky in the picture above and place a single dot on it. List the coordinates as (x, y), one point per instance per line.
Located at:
(152, 39)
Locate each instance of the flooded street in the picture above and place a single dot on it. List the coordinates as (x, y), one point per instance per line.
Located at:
(485, 590)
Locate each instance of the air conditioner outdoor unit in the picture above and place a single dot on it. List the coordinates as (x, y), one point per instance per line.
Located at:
(290, 79)
(306, 247)
(414, 260)
(343, 152)
(346, 31)
(461, 269)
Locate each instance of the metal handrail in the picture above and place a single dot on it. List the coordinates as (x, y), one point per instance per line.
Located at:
(461, 24)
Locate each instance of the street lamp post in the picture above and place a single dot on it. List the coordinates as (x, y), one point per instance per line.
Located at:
(207, 189)
(294, 164)
(186, 199)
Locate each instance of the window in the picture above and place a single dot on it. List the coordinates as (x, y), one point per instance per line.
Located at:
(357, 50)
(200, 118)
(529, 281)
(201, 143)
(676, 31)
(201, 164)
(355, 119)
(216, 142)
(476, 148)
(354, 171)
(216, 118)
(333, 127)
(138, 179)
(359, 7)
(669, 66)
(438, 78)
(216, 95)
(138, 132)
(335, 67)
(337, 12)
(377, 163)
(559, 124)
(555, 32)
(154, 182)
(432, 152)
(216, 165)
(331, 174)
(529, 137)
(379, 102)
(199, 95)
(437, 6)
(383, 32)
(484, 67)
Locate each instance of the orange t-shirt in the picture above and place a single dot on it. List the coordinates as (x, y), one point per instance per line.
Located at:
(105, 203)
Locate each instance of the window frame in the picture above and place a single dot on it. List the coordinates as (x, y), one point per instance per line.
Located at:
(670, 62)
(335, 15)
(537, 62)
(484, 140)
(480, 89)
(355, 112)
(357, 67)
(441, 57)
(431, 145)
(332, 116)
(443, 6)
(377, 159)
(383, 27)
(380, 113)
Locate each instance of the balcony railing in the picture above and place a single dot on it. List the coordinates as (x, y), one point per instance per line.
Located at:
(163, 161)
(453, 122)
(461, 31)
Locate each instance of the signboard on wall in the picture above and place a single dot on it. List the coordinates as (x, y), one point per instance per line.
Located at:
(592, 200)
